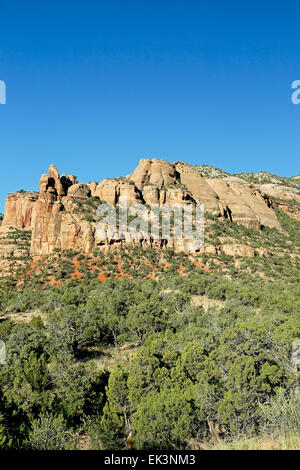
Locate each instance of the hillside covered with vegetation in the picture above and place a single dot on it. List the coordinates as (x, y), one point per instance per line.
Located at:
(178, 351)
(147, 348)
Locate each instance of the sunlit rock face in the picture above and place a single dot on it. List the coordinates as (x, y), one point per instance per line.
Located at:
(59, 215)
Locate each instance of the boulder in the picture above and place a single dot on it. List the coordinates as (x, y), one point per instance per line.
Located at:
(79, 191)
(156, 171)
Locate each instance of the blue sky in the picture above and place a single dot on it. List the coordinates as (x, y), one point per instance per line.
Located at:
(94, 86)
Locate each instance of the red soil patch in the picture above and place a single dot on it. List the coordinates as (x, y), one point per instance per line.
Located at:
(76, 275)
(94, 266)
(122, 274)
(94, 263)
(101, 277)
(152, 276)
(181, 270)
(147, 263)
(200, 265)
(53, 282)
(31, 269)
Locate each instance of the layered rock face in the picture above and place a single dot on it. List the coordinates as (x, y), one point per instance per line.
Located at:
(111, 190)
(230, 197)
(59, 215)
(19, 210)
(15, 230)
(156, 172)
(57, 225)
(282, 192)
(243, 203)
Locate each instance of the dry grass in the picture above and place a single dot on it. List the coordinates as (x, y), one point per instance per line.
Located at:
(207, 303)
(107, 358)
(284, 442)
(25, 317)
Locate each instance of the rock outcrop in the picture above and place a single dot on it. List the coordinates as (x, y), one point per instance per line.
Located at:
(281, 192)
(111, 190)
(244, 204)
(230, 197)
(19, 209)
(61, 215)
(202, 192)
(156, 171)
(57, 224)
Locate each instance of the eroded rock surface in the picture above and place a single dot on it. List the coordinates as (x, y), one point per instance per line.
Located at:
(60, 217)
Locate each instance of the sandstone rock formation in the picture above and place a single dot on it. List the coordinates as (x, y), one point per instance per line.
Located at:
(156, 171)
(60, 215)
(281, 192)
(202, 192)
(111, 190)
(79, 191)
(230, 197)
(19, 210)
(243, 203)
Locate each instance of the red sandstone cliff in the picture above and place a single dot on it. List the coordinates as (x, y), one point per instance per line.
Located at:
(59, 216)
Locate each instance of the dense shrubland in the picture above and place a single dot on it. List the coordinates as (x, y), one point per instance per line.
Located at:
(228, 364)
(160, 358)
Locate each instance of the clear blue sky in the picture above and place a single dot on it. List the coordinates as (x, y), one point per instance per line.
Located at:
(93, 86)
